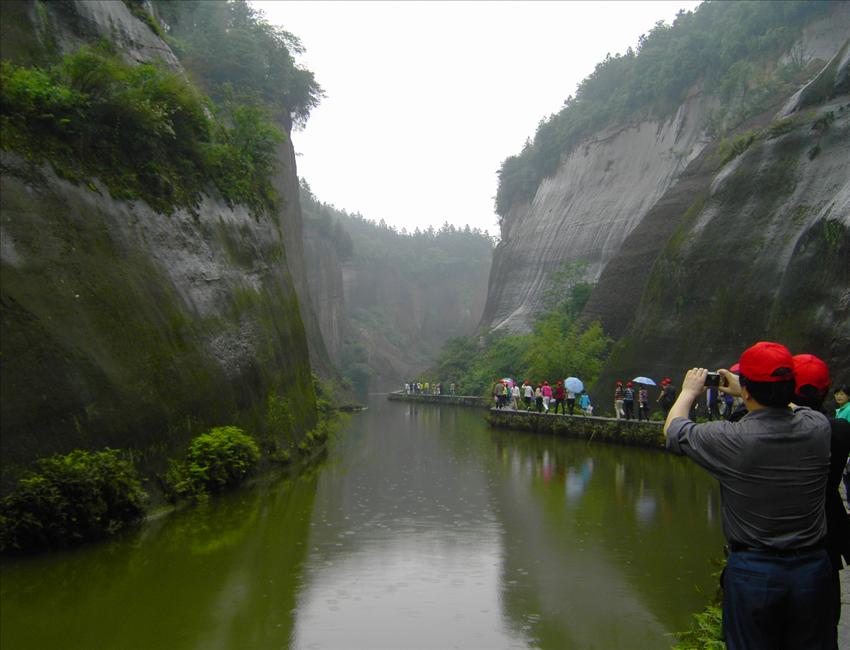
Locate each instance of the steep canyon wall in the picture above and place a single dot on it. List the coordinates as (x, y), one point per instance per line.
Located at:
(696, 254)
(127, 327)
(391, 310)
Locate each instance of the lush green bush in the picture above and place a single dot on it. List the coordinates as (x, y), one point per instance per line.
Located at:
(220, 458)
(138, 9)
(143, 130)
(706, 632)
(70, 499)
(231, 45)
(316, 437)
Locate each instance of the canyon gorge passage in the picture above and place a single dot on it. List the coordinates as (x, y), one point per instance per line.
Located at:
(165, 271)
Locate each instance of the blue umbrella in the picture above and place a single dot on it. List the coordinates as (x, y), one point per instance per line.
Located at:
(646, 381)
(573, 384)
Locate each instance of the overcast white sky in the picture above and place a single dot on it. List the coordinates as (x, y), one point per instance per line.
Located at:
(425, 99)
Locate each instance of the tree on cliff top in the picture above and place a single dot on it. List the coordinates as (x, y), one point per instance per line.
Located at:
(231, 45)
(718, 45)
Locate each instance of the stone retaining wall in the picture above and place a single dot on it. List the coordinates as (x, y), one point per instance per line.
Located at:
(456, 400)
(623, 432)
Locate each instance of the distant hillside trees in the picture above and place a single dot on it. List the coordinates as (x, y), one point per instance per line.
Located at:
(727, 46)
(409, 292)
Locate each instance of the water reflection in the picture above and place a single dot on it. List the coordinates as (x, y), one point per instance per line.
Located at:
(405, 548)
(603, 545)
(222, 575)
(425, 530)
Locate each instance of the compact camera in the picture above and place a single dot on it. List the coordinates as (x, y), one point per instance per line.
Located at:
(712, 380)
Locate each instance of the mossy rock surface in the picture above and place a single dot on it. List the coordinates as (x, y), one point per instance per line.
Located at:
(761, 255)
(122, 326)
(622, 432)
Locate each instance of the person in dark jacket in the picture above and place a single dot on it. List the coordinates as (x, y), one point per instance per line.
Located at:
(667, 396)
(812, 381)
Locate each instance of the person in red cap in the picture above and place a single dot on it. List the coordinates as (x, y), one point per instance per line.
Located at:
(618, 401)
(811, 379)
(667, 396)
(559, 396)
(772, 467)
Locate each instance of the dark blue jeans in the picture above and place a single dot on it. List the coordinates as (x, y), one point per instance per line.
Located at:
(774, 602)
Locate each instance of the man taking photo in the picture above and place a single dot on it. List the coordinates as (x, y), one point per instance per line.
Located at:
(772, 467)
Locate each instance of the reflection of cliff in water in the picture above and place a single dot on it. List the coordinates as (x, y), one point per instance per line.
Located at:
(405, 545)
(588, 537)
(390, 475)
(221, 575)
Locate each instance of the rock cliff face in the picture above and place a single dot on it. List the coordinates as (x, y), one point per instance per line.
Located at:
(761, 253)
(326, 289)
(33, 30)
(695, 258)
(126, 327)
(600, 193)
(286, 185)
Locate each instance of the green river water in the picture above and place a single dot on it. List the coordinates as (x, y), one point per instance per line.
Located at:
(423, 529)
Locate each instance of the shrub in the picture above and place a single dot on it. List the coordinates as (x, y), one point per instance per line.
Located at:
(706, 631)
(220, 458)
(70, 499)
(731, 149)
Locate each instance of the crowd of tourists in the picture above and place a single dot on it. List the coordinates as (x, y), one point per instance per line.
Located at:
(427, 388)
(779, 460)
(634, 396)
(543, 398)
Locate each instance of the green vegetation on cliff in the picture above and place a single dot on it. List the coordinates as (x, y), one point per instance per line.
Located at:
(122, 327)
(147, 132)
(142, 130)
(727, 47)
(230, 46)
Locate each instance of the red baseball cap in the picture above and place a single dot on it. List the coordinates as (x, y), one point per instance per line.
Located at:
(736, 368)
(767, 361)
(809, 370)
